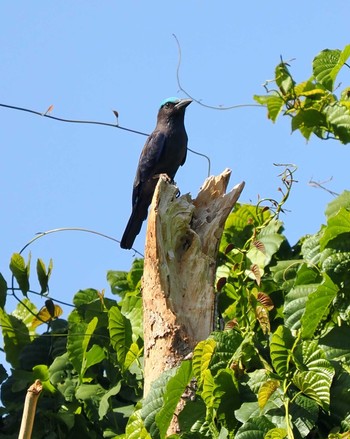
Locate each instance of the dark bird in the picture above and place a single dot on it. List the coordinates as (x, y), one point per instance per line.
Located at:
(164, 151)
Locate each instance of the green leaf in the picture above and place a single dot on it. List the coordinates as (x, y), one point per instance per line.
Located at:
(304, 413)
(315, 374)
(154, 402)
(336, 344)
(317, 306)
(43, 275)
(3, 291)
(227, 345)
(93, 356)
(274, 104)
(131, 308)
(276, 433)
(281, 345)
(122, 282)
(83, 297)
(283, 78)
(202, 355)
(295, 303)
(337, 225)
(174, 390)
(120, 333)
(104, 404)
(308, 120)
(208, 391)
(338, 117)
(327, 64)
(255, 428)
(266, 390)
(135, 428)
(75, 345)
(340, 399)
(21, 271)
(15, 335)
(228, 397)
(266, 244)
(343, 200)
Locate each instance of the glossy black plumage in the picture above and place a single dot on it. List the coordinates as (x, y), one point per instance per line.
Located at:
(164, 151)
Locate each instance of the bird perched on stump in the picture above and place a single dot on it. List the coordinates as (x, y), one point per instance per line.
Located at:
(164, 151)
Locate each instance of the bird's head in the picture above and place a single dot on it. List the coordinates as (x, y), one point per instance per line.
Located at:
(173, 108)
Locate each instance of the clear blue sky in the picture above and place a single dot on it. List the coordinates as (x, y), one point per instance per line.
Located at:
(88, 58)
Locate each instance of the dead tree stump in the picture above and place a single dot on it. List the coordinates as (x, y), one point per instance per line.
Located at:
(183, 237)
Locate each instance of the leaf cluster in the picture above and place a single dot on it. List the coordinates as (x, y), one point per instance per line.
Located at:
(312, 104)
(90, 365)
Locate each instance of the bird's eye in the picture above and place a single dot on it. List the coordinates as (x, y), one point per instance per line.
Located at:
(167, 104)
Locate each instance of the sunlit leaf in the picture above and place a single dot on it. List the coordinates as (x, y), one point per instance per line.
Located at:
(338, 116)
(281, 345)
(120, 333)
(174, 390)
(317, 306)
(266, 390)
(20, 270)
(202, 355)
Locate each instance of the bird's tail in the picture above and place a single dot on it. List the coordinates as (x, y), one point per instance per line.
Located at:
(132, 229)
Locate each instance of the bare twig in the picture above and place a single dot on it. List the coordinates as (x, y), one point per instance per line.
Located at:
(320, 185)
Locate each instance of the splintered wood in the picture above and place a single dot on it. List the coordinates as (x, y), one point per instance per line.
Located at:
(182, 242)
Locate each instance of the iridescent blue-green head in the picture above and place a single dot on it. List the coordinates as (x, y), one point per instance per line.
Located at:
(172, 108)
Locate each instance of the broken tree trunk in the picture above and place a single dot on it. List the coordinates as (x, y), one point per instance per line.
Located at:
(183, 237)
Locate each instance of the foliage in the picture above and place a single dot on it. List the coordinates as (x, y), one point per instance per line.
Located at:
(278, 364)
(312, 104)
(90, 365)
(279, 368)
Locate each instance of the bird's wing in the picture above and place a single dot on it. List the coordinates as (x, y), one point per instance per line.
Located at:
(149, 159)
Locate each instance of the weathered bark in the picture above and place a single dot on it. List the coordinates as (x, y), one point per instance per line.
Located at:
(183, 237)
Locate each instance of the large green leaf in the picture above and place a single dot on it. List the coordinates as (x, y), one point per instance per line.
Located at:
(21, 271)
(15, 335)
(136, 428)
(317, 306)
(3, 291)
(327, 64)
(201, 357)
(104, 404)
(315, 374)
(274, 103)
(281, 345)
(131, 308)
(343, 200)
(304, 413)
(227, 344)
(255, 428)
(295, 303)
(93, 356)
(340, 399)
(120, 333)
(336, 344)
(338, 116)
(75, 347)
(154, 402)
(266, 244)
(174, 390)
(337, 224)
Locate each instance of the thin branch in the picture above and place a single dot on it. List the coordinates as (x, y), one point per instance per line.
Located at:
(198, 101)
(92, 122)
(320, 185)
(60, 119)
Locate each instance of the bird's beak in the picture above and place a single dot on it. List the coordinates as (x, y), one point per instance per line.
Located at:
(183, 103)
